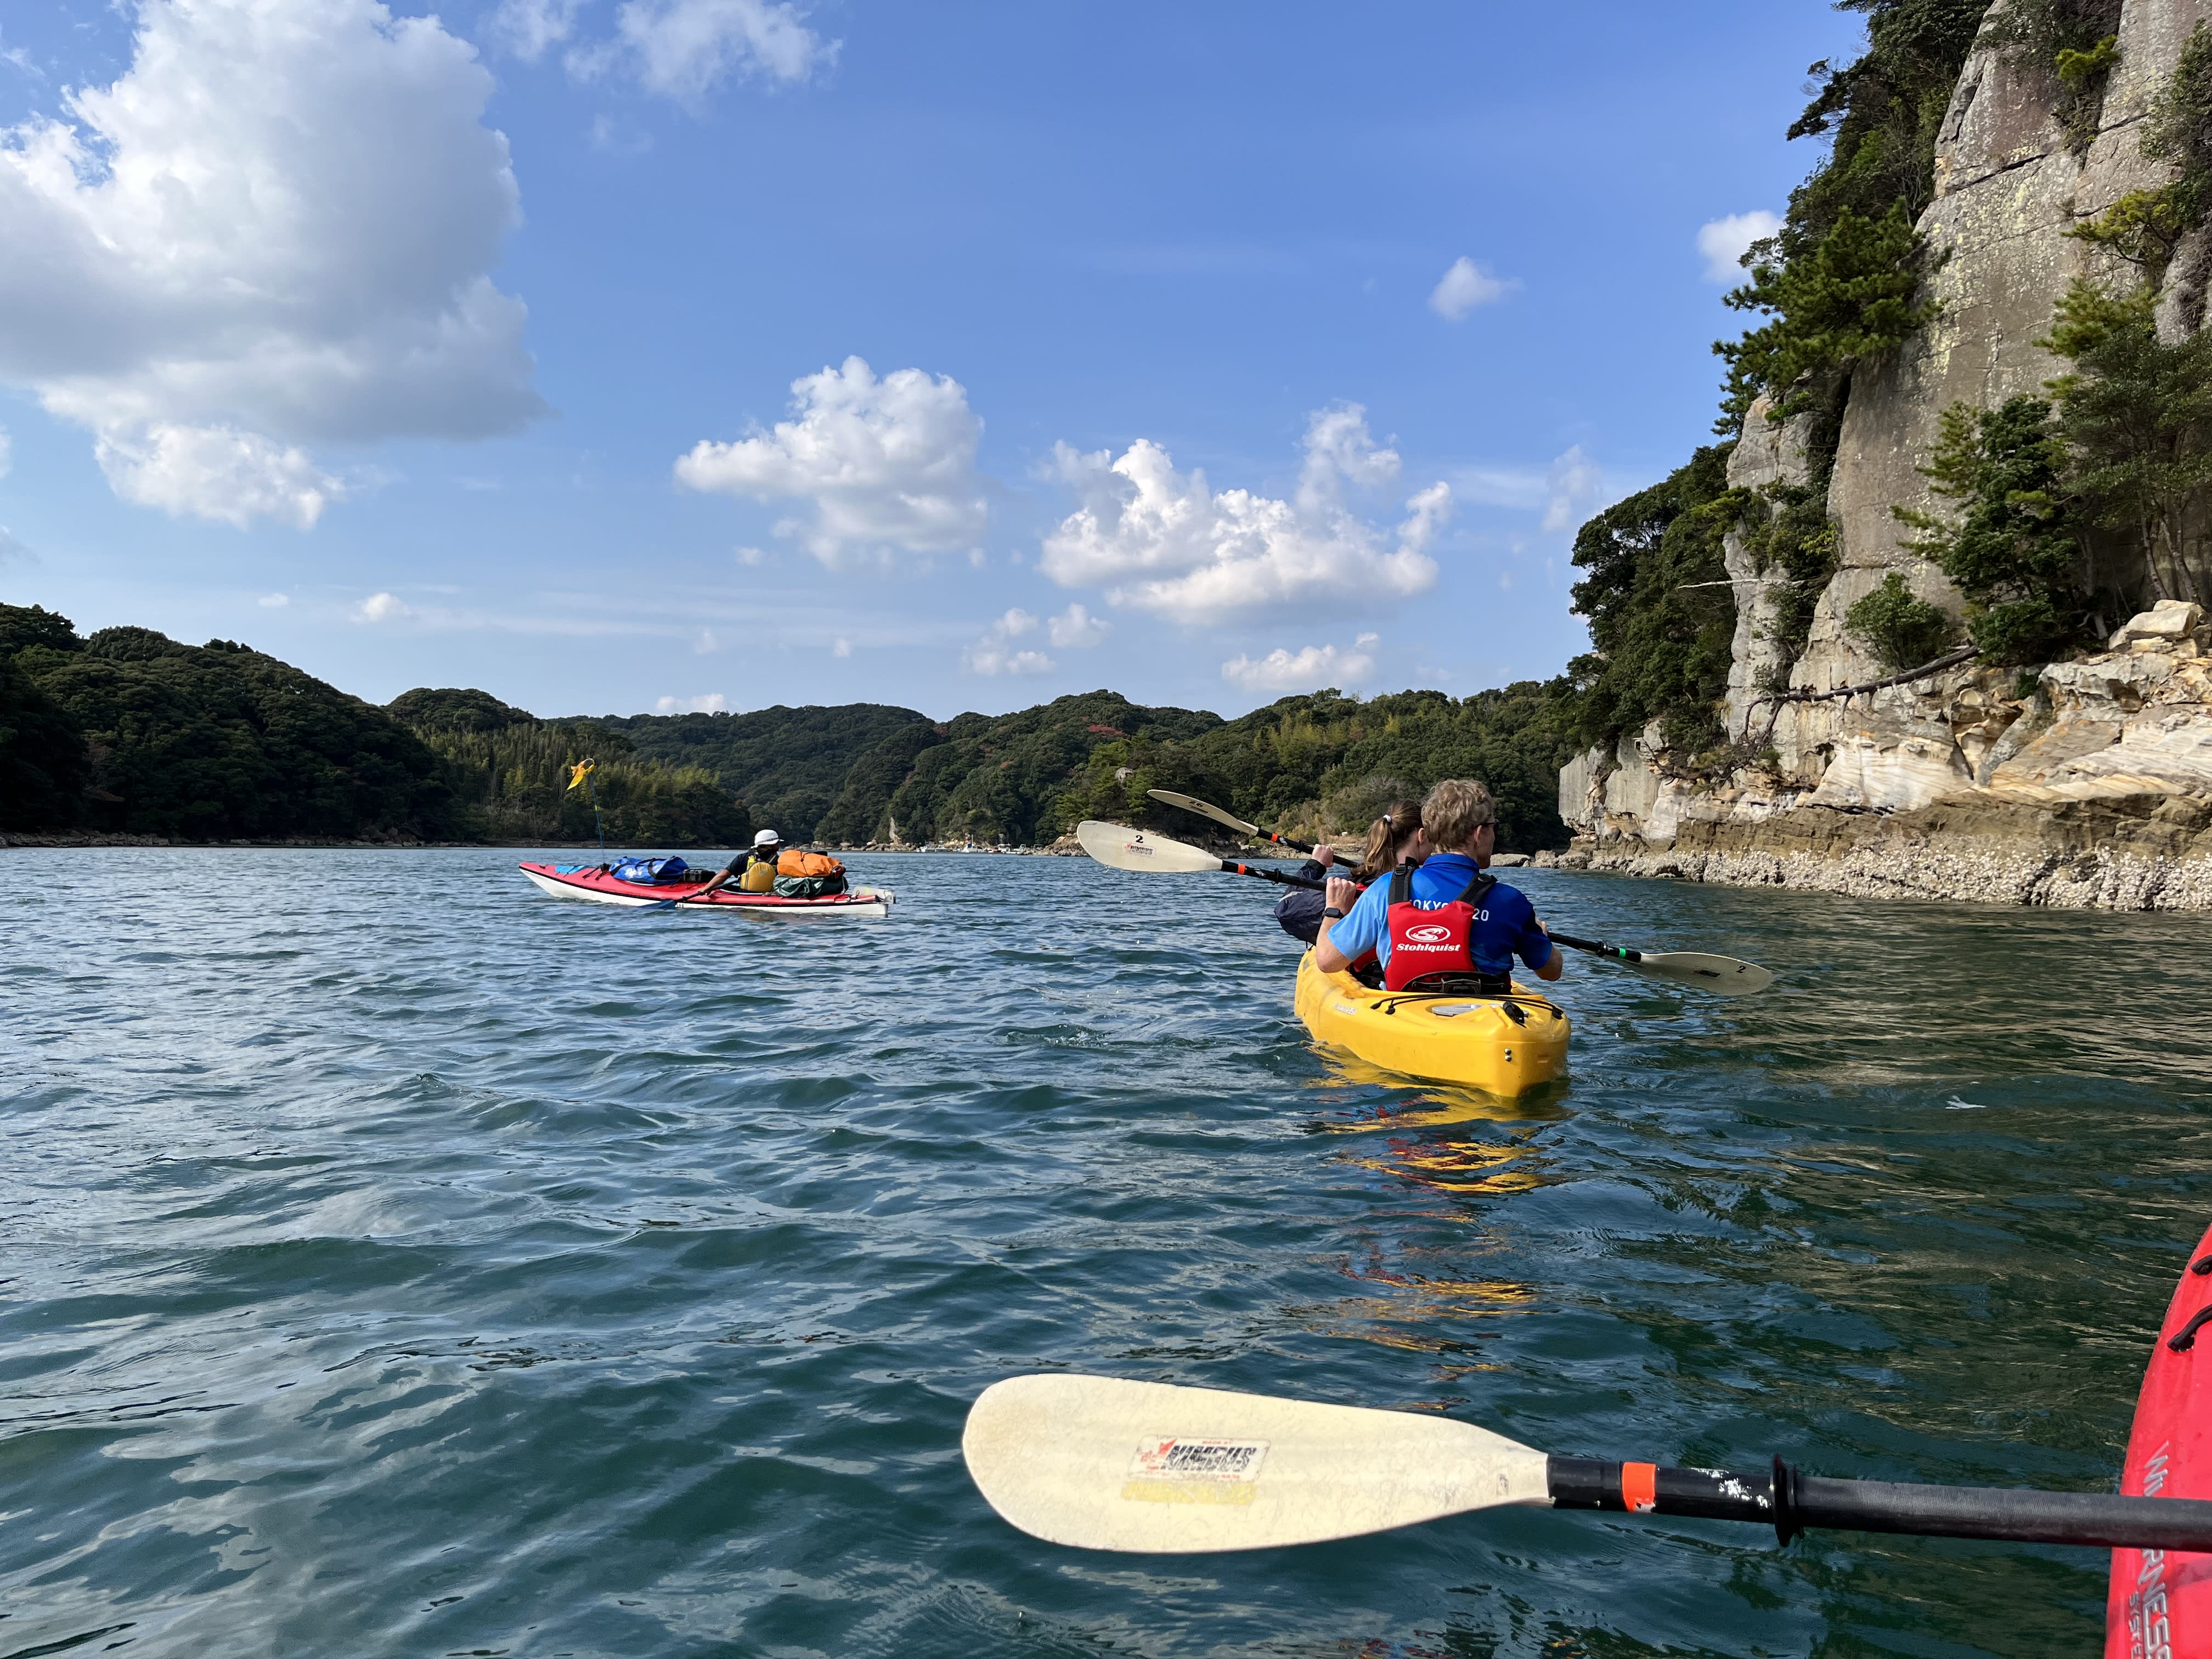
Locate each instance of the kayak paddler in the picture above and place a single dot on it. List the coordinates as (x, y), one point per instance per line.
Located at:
(753, 872)
(1447, 925)
(1389, 841)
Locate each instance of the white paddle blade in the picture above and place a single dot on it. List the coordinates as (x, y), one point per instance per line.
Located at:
(1104, 1464)
(1204, 809)
(1723, 977)
(1125, 849)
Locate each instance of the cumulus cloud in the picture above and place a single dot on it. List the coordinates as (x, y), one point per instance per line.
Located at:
(1307, 670)
(711, 703)
(994, 654)
(382, 607)
(274, 601)
(1723, 242)
(1161, 540)
(275, 229)
(841, 647)
(888, 464)
(1077, 629)
(531, 28)
(1465, 287)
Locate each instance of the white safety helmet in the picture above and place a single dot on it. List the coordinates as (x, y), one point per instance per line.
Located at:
(767, 838)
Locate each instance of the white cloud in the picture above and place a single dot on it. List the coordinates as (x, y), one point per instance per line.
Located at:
(1572, 487)
(276, 230)
(1308, 669)
(992, 654)
(1464, 288)
(843, 648)
(1723, 242)
(683, 49)
(531, 28)
(382, 607)
(711, 703)
(274, 601)
(1077, 629)
(1160, 540)
(751, 556)
(7, 452)
(216, 472)
(706, 644)
(888, 464)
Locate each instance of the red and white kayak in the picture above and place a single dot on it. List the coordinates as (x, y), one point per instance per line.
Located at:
(2161, 1603)
(592, 881)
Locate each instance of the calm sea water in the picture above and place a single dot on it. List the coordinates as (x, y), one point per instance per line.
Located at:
(398, 1261)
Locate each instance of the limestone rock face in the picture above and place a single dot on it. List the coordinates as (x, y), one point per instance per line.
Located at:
(2118, 744)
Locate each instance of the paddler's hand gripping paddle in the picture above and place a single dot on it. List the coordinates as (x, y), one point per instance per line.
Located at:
(1121, 848)
(1099, 1463)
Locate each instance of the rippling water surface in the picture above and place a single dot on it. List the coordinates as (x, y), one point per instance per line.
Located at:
(398, 1261)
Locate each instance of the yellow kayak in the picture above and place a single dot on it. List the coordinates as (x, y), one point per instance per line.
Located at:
(1472, 1040)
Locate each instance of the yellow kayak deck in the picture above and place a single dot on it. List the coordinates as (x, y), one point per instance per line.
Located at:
(1471, 1041)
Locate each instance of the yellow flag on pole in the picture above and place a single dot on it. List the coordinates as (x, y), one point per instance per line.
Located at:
(578, 773)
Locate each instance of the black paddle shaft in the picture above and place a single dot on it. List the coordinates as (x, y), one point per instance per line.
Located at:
(1621, 951)
(1275, 876)
(1791, 1501)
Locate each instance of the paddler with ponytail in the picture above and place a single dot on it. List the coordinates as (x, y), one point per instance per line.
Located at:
(1389, 840)
(1447, 925)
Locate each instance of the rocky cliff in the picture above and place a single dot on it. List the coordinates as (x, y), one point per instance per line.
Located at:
(2084, 783)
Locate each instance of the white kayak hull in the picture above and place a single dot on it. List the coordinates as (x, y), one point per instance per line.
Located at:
(862, 901)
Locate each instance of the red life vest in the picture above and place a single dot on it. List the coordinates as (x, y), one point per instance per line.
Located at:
(1434, 942)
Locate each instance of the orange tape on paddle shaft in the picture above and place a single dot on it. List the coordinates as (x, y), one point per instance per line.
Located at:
(1639, 1487)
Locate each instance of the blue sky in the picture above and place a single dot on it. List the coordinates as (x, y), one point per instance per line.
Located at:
(624, 354)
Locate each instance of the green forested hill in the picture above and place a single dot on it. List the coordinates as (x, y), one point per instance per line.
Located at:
(130, 732)
(788, 765)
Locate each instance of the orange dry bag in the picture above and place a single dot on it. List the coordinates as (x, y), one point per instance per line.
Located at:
(796, 863)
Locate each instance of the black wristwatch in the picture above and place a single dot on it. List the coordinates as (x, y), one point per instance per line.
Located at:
(1332, 914)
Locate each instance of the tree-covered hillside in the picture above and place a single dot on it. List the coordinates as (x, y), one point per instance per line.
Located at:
(129, 732)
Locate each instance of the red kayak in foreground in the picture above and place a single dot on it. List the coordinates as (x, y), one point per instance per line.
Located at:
(2161, 1603)
(593, 882)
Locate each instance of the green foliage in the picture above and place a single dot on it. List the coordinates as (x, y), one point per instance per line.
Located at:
(25, 625)
(1848, 298)
(221, 742)
(789, 764)
(2074, 41)
(453, 708)
(513, 780)
(44, 766)
(2136, 414)
(2011, 545)
(1660, 610)
(1798, 546)
(2144, 227)
(1903, 631)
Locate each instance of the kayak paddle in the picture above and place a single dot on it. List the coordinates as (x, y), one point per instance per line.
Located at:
(1724, 976)
(1120, 847)
(1204, 810)
(1101, 1463)
(1124, 848)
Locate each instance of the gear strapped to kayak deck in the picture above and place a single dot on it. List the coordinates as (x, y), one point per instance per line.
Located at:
(595, 883)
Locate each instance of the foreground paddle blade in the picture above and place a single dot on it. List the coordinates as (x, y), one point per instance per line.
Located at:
(1104, 1464)
(1125, 849)
(1724, 976)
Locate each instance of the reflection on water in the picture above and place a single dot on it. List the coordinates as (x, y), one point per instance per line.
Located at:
(451, 1269)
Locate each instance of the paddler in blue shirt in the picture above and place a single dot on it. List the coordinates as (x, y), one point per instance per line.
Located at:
(1448, 925)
